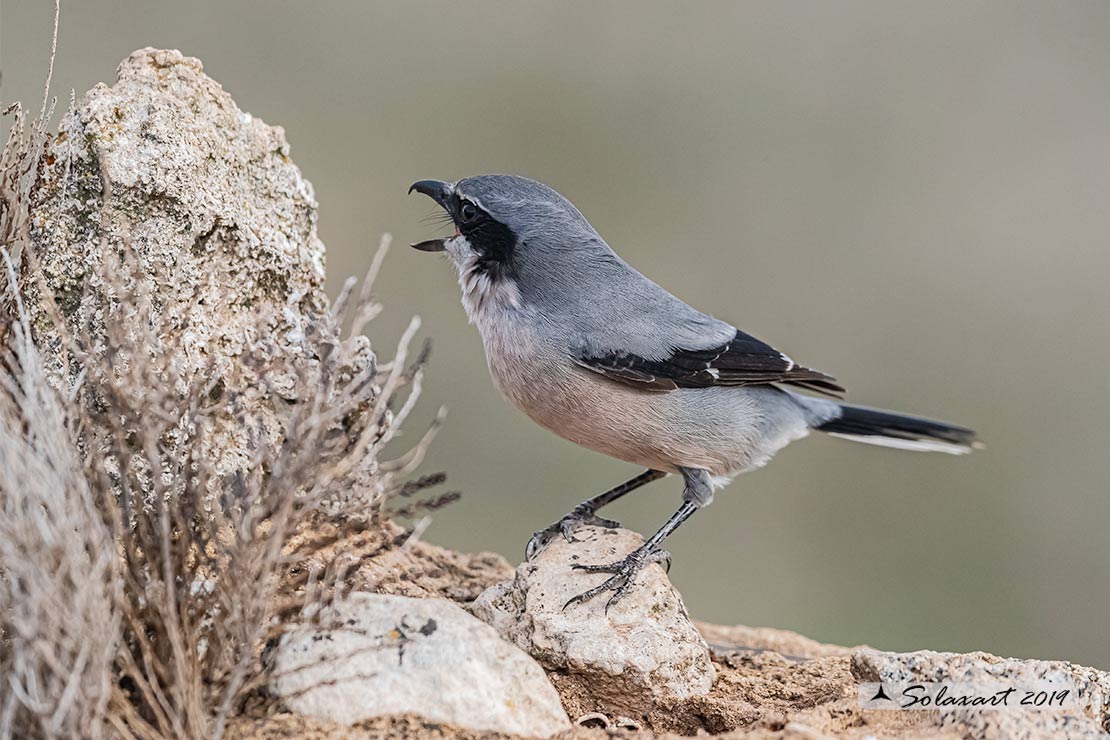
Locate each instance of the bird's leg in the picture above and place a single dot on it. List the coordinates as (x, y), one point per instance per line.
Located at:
(586, 513)
(697, 493)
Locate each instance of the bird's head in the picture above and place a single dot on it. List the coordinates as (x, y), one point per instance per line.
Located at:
(509, 231)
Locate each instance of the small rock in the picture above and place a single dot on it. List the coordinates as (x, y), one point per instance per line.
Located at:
(1088, 720)
(392, 655)
(642, 652)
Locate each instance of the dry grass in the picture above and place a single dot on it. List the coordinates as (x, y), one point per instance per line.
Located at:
(139, 588)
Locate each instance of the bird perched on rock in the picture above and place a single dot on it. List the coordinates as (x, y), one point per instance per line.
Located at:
(600, 355)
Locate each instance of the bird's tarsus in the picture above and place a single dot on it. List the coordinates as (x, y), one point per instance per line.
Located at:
(586, 513)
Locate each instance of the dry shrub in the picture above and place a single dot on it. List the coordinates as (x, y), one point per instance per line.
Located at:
(60, 585)
(139, 588)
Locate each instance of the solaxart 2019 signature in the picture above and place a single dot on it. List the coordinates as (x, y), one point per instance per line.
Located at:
(945, 695)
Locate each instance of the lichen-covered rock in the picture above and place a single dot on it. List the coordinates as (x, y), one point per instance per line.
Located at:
(1089, 692)
(221, 226)
(641, 652)
(395, 655)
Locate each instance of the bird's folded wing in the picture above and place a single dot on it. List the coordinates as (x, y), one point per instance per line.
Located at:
(743, 360)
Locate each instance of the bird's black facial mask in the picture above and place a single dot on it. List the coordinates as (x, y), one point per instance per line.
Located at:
(491, 241)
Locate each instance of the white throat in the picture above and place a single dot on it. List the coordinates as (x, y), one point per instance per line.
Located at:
(481, 294)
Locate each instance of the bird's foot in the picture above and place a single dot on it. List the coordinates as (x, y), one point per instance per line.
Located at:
(624, 573)
(578, 517)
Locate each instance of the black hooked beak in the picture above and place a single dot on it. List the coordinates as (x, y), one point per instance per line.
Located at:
(437, 191)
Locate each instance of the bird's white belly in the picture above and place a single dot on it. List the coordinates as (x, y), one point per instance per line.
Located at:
(720, 430)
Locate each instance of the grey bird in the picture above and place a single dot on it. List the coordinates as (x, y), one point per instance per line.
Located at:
(597, 353)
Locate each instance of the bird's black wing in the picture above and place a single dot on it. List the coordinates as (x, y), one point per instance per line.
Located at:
(743, 360)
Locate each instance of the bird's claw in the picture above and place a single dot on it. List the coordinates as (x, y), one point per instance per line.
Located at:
(565, 527)
(624, 573)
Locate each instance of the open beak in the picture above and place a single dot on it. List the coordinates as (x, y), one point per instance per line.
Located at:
(437, 191)
(432, 245)
(434, 189)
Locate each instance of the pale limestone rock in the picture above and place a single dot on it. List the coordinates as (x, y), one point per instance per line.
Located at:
(641, 653)
(223, 229)
(1090, 718)
(394, 655)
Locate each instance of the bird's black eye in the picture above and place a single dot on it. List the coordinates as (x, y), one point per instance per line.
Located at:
(468, 214)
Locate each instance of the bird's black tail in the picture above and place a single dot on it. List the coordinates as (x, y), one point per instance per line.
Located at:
(876, 427)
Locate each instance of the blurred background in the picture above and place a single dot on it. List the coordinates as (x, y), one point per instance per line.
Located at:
(914, 197)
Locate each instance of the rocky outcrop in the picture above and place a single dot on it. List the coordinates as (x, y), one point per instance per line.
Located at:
(640, 653)
(376, 655)
(769, 683)
(220, 224)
